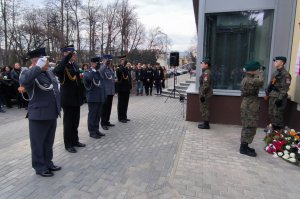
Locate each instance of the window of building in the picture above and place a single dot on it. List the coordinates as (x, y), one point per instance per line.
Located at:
(232, 39)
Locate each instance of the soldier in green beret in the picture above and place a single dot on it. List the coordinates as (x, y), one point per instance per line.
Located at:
(205, 93)
(277, 91)
(250, 86)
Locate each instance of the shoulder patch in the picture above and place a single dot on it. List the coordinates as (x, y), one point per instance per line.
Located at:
(205, 76)
(288, 80)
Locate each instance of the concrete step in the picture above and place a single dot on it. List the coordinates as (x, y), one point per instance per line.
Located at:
(179, 90)
(190, 81)
(184, 84)
(176, 92)
(164, 94)
(181, 87)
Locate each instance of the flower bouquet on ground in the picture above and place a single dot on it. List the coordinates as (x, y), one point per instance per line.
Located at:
(284, 144)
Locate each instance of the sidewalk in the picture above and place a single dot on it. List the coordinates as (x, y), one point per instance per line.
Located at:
(156, 155)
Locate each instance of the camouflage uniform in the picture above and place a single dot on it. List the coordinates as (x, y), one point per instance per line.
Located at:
(205, 91)
(250, 106)
(282, 81)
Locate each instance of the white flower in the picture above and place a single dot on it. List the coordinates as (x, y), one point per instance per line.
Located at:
(280, 154)
(286, 156)
(292, 155)
(275, 155)
(292, 160)
(286, 152)
(288, 147)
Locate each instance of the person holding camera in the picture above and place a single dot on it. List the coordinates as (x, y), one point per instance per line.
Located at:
(71, 97)
(277, 91)
(250, 86)
(95, 97)
(43, 110)
(205, 93)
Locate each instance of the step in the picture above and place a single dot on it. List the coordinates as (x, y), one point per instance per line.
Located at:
(172, 96)
(190, 81)
(179, 90)
(181, 87)
(185, 84)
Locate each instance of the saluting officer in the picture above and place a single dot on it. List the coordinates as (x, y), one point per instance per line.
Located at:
(124, 87)
(71, 97)
(108, 75)
(278, 89)
(205, 93)
(95, 97)
(250, 86)
(43, 110)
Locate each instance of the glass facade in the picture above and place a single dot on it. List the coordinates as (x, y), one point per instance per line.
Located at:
(233, 38)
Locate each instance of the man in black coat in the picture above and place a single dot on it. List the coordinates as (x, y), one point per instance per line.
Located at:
(43, 110)
(158, 79)
(71, 97)
(148, 80)
(124, 87)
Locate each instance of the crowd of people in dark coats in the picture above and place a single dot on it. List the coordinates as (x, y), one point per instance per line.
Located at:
(9, 84)
(143, 78)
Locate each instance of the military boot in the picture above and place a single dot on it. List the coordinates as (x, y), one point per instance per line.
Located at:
(251, 149)
(200, 125)
(244, 149)
(204, 126)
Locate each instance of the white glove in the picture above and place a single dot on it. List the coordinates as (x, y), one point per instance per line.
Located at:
(94, 70)
(41, 62)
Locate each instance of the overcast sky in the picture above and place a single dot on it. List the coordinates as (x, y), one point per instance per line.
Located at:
(174, 17)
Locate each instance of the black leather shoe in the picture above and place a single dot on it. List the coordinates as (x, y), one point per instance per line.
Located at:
(105, 127)
(54, 168)
(46, 173)
(79, 144)
(95, 136)
(109, 124)
(123, 121)
(127, 119)
(71, 150)
(100, 134)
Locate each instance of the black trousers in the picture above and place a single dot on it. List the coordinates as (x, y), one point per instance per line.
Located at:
(148, 86)
(71, 122)
(158, 87)
(106, 110)
(94, 115)
(42, 134)
(123, 99)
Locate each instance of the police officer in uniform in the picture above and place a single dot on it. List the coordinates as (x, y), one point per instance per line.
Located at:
(95, 97)
(250, 86)
(277, 91)
(71, 97)
(109, 85)
(205, 93)
(124, 87)
(43, 110)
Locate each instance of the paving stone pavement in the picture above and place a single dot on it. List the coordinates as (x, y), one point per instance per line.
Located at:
(133, 160)
(156, 155)
(210, 166)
